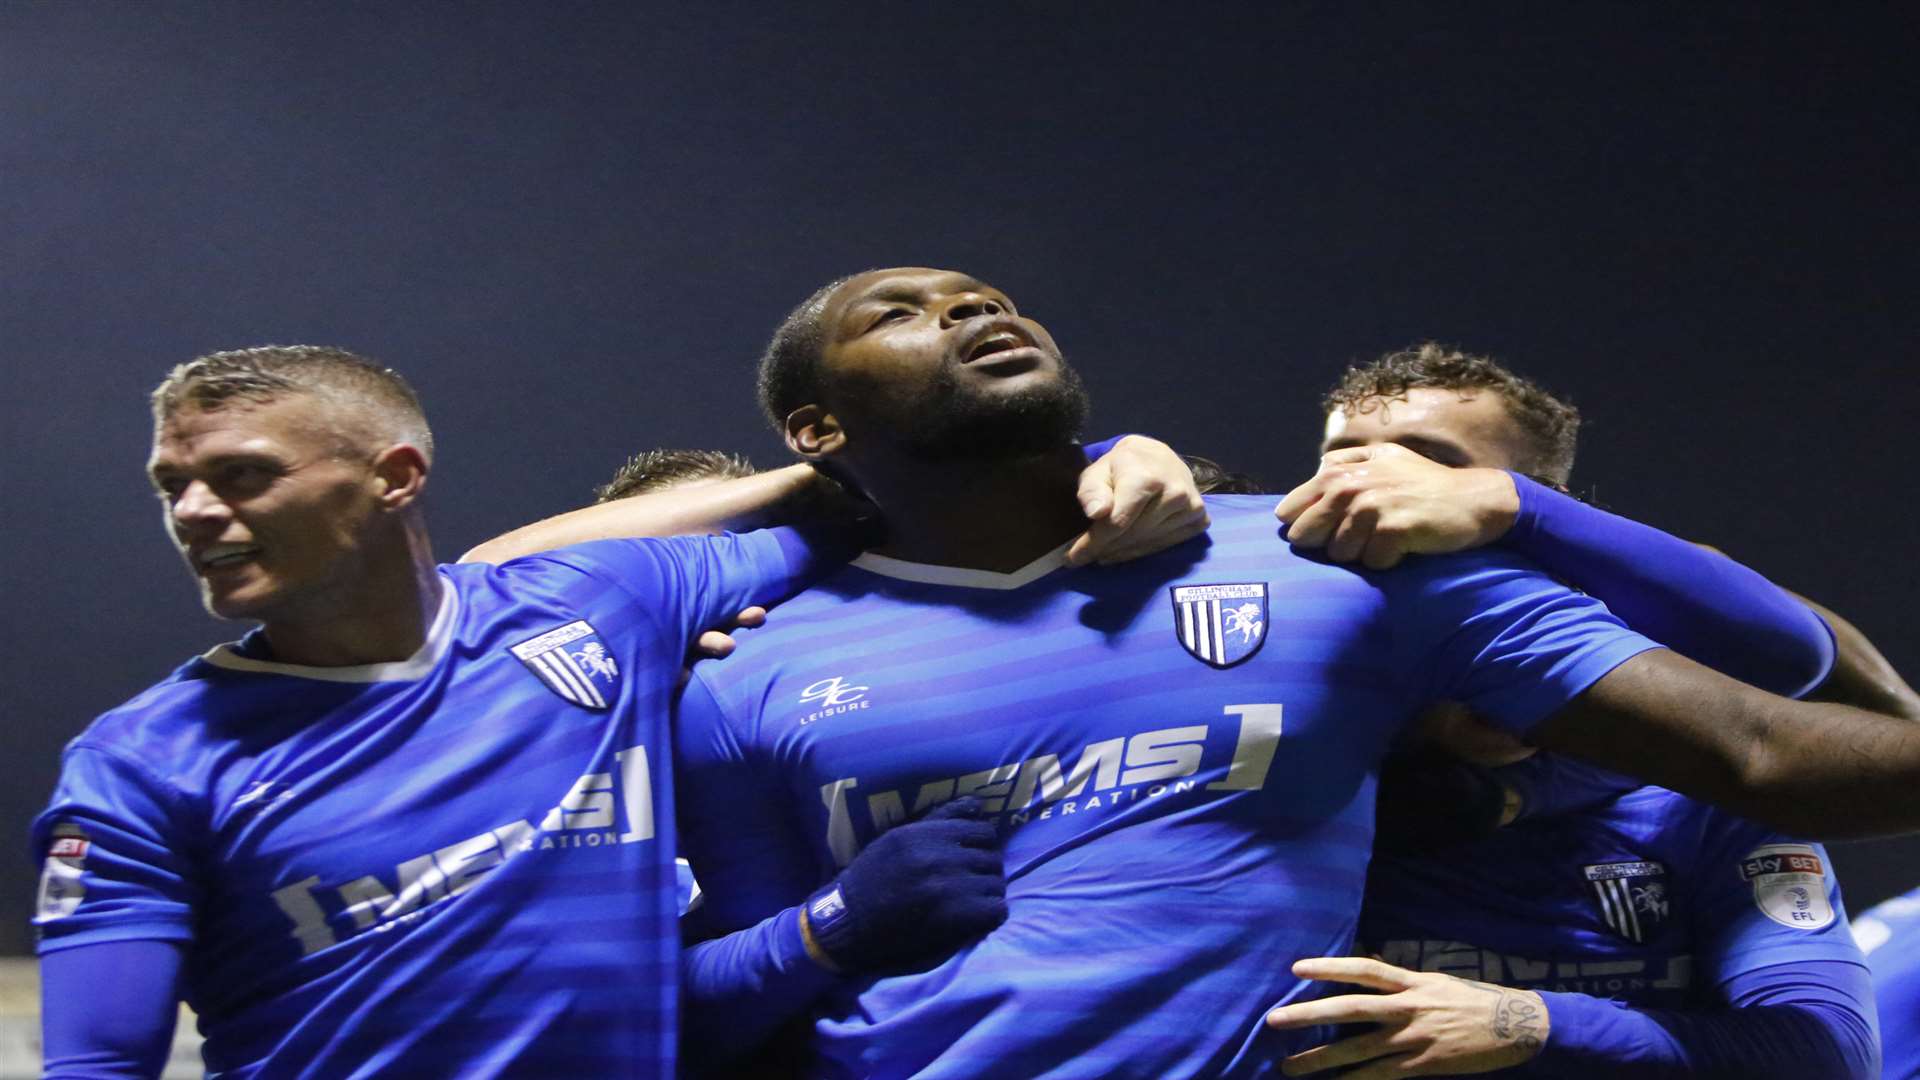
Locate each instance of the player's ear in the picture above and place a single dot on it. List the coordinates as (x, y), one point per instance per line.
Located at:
(814, 433)
(399, 475)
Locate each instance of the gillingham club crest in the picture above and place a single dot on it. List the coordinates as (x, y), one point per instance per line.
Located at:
(574, 663)
(1632, 896)
(1221, 624)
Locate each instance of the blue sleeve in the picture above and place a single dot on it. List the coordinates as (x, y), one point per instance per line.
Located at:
(107, 1010)
(1812, 1019)
(754, 871)
(114, 850)
(1490, 631)
(686, 584)
(1699, 603)
(1094, 451)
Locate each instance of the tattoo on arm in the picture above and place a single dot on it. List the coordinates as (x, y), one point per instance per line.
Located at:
(1517, 1019)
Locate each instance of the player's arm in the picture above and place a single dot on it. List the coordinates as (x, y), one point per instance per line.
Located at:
(1808, 1019)
(747, 502)
(1139, 498)
(1861, 675)
(108, 1010)
(1809, 768)
(1378, 504)
(1560, 670)
(113, 916)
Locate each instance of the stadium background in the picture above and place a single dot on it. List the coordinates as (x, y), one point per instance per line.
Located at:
(573, 226)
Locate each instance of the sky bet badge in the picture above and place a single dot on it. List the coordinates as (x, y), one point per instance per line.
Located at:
(1633, 897)
(574, 663)
(1221, 624)
(1789, 885)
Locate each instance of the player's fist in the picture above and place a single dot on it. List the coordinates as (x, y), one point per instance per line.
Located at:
(1378, 504)
(913, 896)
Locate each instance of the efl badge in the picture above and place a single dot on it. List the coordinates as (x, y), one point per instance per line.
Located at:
(573, 663)
(1221, 624)
(1633, 897)
(61, 885)
(1789, 885)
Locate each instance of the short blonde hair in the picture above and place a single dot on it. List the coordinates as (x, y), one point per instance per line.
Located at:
(374, 394)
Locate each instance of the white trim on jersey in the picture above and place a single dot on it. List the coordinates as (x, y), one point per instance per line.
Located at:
(929, 574)
(439, 636)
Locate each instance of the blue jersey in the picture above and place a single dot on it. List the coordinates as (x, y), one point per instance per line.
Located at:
(1890, 936)
(1181, 751)
(456, 865)
(1652, 899)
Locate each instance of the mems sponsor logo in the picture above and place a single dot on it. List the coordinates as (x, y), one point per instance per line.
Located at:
(600, 810)
(1598, 977)
(1102, 776)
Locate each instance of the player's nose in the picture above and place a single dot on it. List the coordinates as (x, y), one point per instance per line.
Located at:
(198, 508)
(962, 306)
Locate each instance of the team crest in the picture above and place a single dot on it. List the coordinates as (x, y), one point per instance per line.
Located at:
(1633, 897)
(574, 663)
(1221, 624)
(1789, 885)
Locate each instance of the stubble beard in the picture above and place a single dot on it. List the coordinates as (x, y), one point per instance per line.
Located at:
(953, 424)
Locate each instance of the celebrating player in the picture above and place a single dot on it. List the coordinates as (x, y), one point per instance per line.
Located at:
(1180, 750)
(1656, 936)
(420, 821)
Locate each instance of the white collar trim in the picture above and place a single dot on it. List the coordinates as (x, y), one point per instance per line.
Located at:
(439, 636)
(962, 577)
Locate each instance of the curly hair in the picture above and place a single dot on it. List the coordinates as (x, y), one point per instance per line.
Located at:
(658, 470)
(1549, 426)
(377, 398)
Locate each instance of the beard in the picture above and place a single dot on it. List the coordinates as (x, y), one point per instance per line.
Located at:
(956, 423)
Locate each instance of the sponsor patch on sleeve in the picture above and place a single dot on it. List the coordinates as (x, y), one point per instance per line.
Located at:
(61, 885)
(1789, 885)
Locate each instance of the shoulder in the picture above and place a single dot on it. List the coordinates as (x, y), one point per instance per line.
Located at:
(158, 717)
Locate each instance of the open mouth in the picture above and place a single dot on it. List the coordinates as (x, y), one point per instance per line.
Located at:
(998, 342)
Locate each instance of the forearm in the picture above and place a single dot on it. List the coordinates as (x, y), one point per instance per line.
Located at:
(1861, 675)
(1691, 599)
(1826, 1030)
(747, 502)
(1818, 770)
(738, 989)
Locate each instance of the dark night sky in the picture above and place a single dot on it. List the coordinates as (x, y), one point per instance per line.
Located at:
(573, 225)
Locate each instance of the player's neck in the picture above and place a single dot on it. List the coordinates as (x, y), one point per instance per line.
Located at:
(382, 616)
(980, 515)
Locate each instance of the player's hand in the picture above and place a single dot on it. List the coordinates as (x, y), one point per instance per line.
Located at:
(1429, 1024)
(920, 891)
(1139, 498)
(1379, 504)
(716, 644)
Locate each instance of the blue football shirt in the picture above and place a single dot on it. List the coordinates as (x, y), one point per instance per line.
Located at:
(1890, 936)
(456, 865)
(1181, 751)
(1653, 899)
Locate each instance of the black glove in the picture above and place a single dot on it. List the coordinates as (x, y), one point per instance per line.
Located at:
(917, 893)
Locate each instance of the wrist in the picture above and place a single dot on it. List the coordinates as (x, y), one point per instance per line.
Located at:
(832, 909)
(1498, 503)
